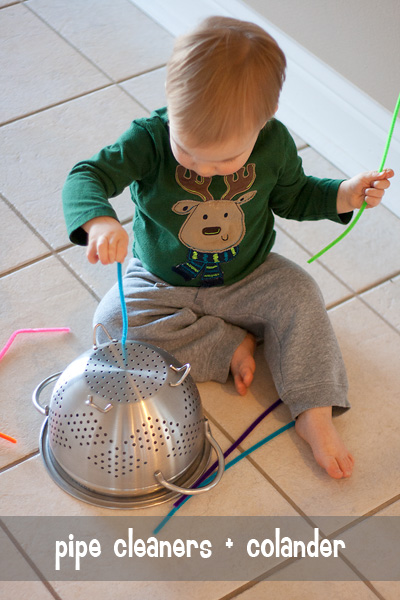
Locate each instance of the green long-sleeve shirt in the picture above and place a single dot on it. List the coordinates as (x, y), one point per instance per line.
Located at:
(191, 231)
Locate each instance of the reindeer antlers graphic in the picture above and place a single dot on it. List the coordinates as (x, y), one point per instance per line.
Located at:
(194, 183)
(236, 183)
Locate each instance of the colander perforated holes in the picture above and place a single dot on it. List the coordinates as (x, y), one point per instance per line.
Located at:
(140, 377)
(74, 426)
(190, 399)
(56, 431)
(123, 457)
(122, 448)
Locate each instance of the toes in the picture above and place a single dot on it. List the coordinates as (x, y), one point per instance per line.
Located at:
(240, 386)
(346, 464)
(338, 468)
(247, 376)
(243, 379)
(331, 466)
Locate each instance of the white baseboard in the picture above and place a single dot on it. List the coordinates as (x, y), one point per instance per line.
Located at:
(339, 120)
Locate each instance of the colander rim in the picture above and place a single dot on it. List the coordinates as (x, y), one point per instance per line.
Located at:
(79, 491)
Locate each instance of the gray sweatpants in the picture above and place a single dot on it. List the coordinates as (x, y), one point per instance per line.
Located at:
(278, 303)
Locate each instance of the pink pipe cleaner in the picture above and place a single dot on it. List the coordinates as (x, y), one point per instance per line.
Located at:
(10, 341)
(19, 331)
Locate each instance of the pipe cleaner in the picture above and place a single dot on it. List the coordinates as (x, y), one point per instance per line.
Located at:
(364, 205)
(228, 466)
(40, 330)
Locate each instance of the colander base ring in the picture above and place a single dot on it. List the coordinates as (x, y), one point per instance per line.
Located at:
(77, 490)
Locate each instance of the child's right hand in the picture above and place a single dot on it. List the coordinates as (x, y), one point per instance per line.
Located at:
(107, 240)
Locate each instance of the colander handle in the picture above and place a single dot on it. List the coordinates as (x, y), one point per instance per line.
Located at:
(96, 327)
(44, 410)
(191, 491)
(185, 368)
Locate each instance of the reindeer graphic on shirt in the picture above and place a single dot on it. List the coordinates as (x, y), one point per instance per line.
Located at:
(213, 229)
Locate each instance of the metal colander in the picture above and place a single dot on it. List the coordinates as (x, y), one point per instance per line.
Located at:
(125, 427)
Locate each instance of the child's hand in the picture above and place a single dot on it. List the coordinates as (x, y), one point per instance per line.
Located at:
(107, 240)
(368, 186)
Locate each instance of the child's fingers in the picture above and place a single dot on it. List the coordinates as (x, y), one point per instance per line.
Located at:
(374, 193)
(381, 184)
(377, 179)
(91, 252)
(108, 246)
(111, 250)
(385, 174)
(122, 251)
(105, 250)
(376, 190)
(121, 246)
(373, 197)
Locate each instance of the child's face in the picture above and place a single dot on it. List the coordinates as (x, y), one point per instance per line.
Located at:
(216, 159)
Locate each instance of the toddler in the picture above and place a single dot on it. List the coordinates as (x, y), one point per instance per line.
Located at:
(207, 174)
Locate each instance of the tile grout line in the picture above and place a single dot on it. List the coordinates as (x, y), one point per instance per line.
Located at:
(55, 253)
(261, 471)
(32, 229)
(11, 4)
(353, 293)
(19, 461)
(77, 277)
(60, 103)
(378, 283)
(301, 513)
(307, 251)
(378, 314)
(70, 44)
(28, 559)
(309, 520)
(262, 578)
(117, 83)
(52, 253)
(159, 23)
(342, 282)
(27, 263)
(112, 82)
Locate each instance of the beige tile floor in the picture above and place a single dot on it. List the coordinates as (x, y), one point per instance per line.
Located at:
(73, 75)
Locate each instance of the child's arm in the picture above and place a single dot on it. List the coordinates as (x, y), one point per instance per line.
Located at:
(107, 240)
(368, 186)
(90, 218)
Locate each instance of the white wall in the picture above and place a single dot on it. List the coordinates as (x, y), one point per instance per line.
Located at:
(360, 39)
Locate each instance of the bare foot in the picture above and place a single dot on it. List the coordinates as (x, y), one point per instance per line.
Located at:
(243, 364)
(315, 426)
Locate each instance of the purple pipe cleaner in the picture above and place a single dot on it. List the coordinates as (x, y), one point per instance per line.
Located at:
(231, 448)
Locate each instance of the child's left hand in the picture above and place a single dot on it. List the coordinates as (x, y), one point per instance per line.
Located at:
(369, 187)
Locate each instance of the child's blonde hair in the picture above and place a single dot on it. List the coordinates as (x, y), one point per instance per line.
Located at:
(223, 79)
